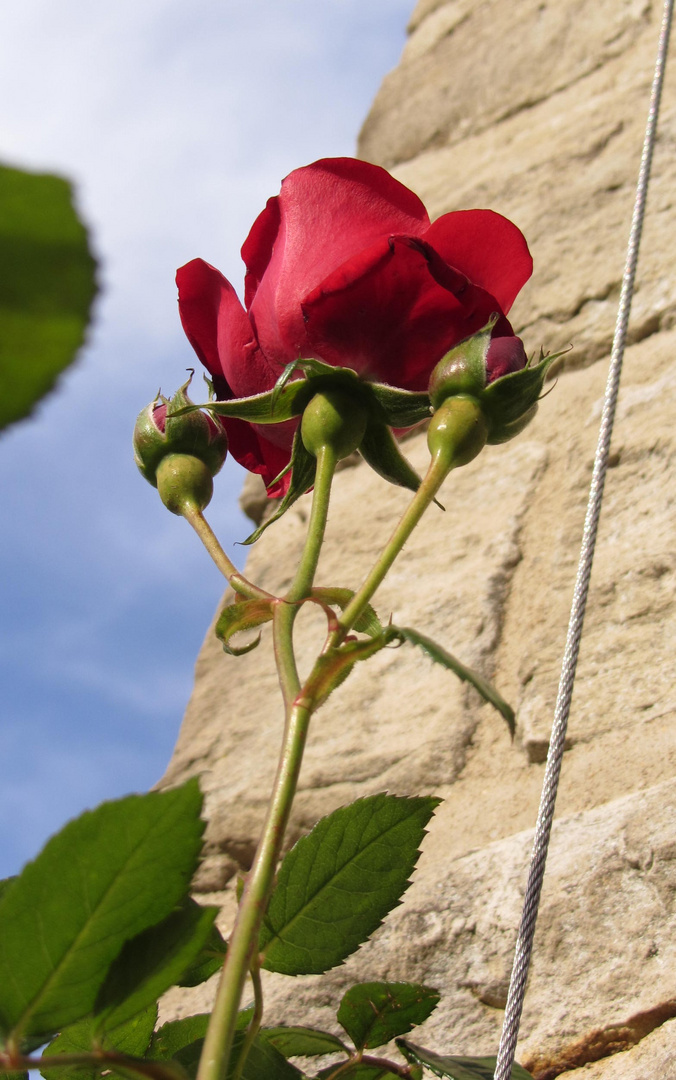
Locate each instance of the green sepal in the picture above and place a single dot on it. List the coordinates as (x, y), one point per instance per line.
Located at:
(510, 403)
(303, 1041)
(152, 962)
(401, 408)
(131, 1037)
(271, 407)
(239, 616)
(337, 884)
(374, 1013)
(303, 471)
(466, 674)
(380, 450)
(457, 1068)
(367, 623)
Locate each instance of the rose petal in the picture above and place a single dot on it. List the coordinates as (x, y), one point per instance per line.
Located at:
(375, 287)
(487, 247)
(329, 211)
(257, 248)
(219, 330)
(258, 455)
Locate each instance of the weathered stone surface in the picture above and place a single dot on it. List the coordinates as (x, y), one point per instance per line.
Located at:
(547, 130)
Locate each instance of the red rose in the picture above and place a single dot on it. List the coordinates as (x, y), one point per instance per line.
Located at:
(344, 266)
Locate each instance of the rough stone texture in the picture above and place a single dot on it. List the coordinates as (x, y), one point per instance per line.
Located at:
(536, 110)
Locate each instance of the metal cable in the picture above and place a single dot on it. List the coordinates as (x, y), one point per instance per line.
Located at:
(524, 945)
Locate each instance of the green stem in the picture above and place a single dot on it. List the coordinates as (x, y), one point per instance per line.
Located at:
(439, 468)
(244, 938)
(307, 567)
(285, 612)
(243, 943)
(256, 1019)
(206, 534)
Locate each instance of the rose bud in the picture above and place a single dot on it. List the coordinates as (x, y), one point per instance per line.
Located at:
(496, 374)
(179, 452)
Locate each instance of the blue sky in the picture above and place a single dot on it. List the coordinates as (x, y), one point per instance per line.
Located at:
(176, 122)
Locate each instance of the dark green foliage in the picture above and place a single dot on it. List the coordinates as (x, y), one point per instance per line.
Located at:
(302, 1041)
(361, 1070)
(47, 284)
(131, 1037)
(182, 1041)
(153, 961)
(457, 1068)
(338, 883)
(208, 961)
(373, 1013)
(106, 877)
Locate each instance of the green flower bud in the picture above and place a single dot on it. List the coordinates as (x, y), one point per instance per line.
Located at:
(334, 420)
(496, 372)
(159, 432)
(185, 483)
(458, 431)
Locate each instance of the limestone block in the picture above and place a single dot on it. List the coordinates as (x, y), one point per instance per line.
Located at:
(483, 62)
(564, 170)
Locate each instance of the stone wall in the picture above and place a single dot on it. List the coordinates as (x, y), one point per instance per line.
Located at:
(535, 109)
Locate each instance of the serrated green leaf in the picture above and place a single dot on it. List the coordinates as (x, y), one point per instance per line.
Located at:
(47, 285)
(182, 1041)
(337, 884)
(380, 450)
(152, 962)
(240, 616)
(374, 1013)
(303, 470)
(401, 408)
(447, 660)
(333, 667)
(361, 1070)
(457, 1068)
(367, 623)
(303, 1041)
(131, 1037)
(104, 878)
(208, 961)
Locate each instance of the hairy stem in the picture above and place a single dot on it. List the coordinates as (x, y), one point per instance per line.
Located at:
(243, 944)
(256, 1019)
(236, 580)
(439, 468)
(244, 938)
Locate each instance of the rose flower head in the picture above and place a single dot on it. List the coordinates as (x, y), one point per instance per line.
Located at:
(344, 267)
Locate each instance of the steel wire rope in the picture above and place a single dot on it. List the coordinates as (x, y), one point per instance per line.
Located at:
(524, 944)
